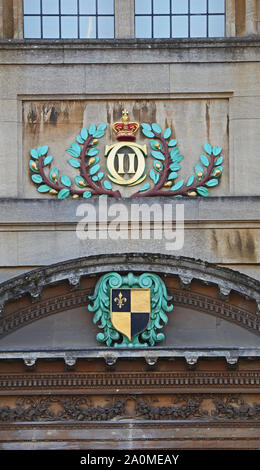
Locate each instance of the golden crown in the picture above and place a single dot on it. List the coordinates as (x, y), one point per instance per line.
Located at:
(125, 130)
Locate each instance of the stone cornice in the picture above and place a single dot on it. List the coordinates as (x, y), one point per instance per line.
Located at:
(185, 268)
(130, 51)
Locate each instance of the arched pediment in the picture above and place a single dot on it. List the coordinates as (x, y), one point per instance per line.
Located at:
(215, 309)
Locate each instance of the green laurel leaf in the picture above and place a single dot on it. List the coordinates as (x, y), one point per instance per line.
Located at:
(145, 187)
(76, 148)
(202, 191)
(173, 175)
(213, 182)
(84, 134)
(175, 166)
(63, 193)
(172, 143)
(154, 176)
(219, 161)
(47, 160)
(177, 158)
(72, 152)
(207, 147)
(216, 150)
(190, 180)
(148, 133)
(42, 150)
(107, 185)
(174, 152)
(74, 163)
(177, 185)
(158, 155)
(167, 133)
(66, 181)
(37, 179)
(34, 153)
(92, 151)
(94, 169)
(146, 126)
(204, 160)
(156, 128)
(79, 139)
(102, 127)
(100, 175)
(92, 129)
(87, 194)
(98, 134)
(43, 188)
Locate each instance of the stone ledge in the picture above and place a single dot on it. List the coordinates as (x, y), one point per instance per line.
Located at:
(226, 208)
(130, 51)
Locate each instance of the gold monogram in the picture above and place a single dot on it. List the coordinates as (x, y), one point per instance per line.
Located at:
(125, 160)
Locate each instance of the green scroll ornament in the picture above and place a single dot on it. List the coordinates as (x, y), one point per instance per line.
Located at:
(159, 308)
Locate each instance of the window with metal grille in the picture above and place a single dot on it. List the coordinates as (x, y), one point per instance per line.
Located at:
(179, 18)
(68, 19)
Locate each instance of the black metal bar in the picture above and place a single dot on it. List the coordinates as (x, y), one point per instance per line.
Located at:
(152, 28)
(78, 19)
(41, 19)
(170, 18)
(59, 18)
(207, 26)
(96, 18)
(188, 18)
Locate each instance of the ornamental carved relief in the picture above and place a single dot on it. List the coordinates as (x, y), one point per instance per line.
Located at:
(199, 407)
(126, 165)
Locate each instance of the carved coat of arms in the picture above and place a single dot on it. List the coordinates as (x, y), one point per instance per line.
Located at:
(130, 309)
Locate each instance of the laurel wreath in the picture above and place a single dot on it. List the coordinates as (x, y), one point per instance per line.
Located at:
(91, 181)
(84, 156)
(167, 165)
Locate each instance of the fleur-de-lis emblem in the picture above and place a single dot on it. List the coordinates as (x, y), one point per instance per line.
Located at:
(120, 300)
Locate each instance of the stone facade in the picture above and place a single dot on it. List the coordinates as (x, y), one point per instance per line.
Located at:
(205, 90)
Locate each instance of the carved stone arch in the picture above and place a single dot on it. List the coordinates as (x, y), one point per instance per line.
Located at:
(194, 284)
(79, 395)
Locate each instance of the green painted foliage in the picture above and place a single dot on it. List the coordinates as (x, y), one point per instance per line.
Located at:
(87, 194)
(107, 185)
(204, 160)
(148, 133)
(158, 155)
(167, 133)
(66, 181)
(63, 193)
(145, 187)
(154, 176)
(202, 191)
(100, 306)
(177, 185)
(74, 163)
(84, 134)
(37, 179)
(156, 128)
(43, 188)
